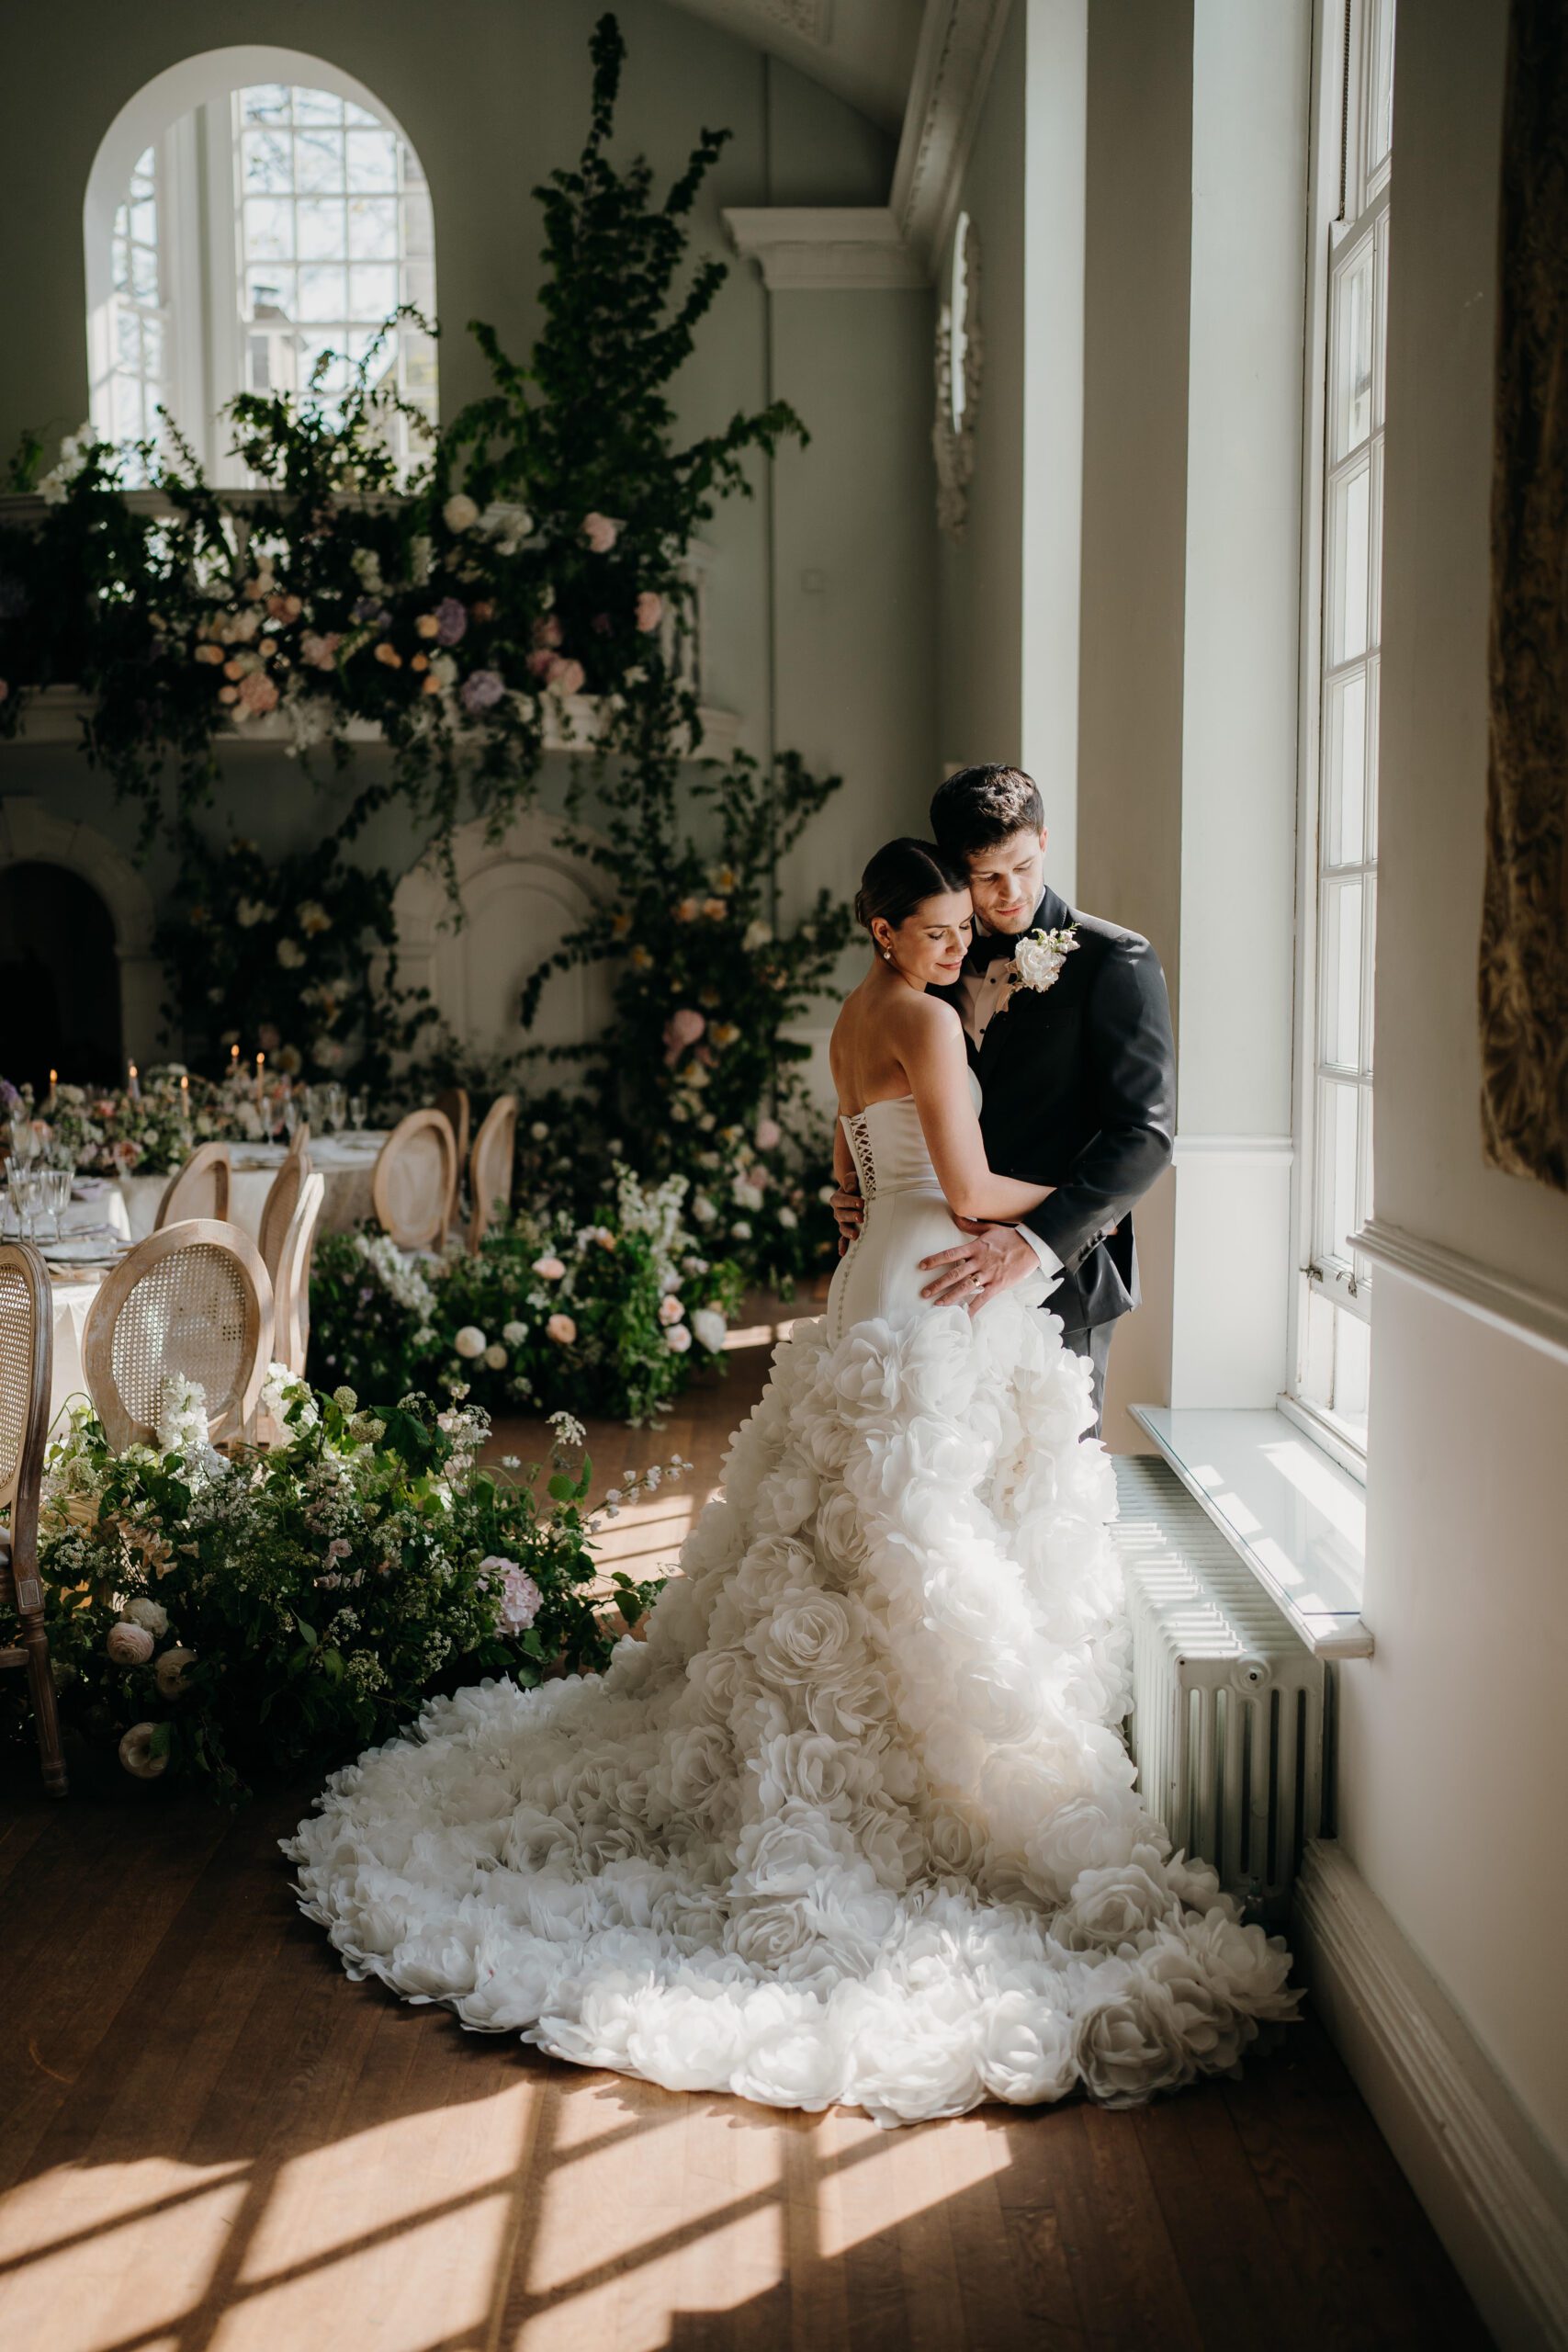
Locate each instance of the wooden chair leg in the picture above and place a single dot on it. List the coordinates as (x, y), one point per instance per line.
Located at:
(45, 1709)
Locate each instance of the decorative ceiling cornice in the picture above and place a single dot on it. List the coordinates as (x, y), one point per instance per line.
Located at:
(959, 41)
(900, 243)
(806, 18)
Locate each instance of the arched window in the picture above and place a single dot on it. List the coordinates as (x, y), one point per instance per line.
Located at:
(249, 213)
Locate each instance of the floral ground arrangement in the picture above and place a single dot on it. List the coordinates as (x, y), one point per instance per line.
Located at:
(225, 1617)
(614, 1313)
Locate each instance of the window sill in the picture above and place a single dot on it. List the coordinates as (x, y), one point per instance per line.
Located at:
(1291, 1514)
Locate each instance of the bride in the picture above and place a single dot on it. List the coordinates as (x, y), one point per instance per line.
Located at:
(854, 1823)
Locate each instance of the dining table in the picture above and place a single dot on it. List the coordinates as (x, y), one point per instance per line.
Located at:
(108, 1214)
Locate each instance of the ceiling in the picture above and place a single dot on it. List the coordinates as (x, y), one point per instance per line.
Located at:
(863, 49)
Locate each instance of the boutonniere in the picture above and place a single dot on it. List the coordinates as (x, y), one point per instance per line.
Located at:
(1038, 960)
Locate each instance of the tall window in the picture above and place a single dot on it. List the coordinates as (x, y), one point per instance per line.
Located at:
(262, 228)
(1334, 1308)
(335, 231)
(138, 380)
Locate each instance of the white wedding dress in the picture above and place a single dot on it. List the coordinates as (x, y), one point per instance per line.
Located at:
(854, 1822)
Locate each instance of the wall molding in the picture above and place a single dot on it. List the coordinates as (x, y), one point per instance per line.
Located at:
(1189, 1147)
(828, 248)
(1523, 1310)
(1492, 2187)
(812, 249)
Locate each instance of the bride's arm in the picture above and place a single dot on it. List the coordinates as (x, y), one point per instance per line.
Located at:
(931, 1047)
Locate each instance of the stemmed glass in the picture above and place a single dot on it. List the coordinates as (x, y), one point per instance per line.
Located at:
(23, 1186)
(359, 1112)
(53, 1181)
(335, 1109)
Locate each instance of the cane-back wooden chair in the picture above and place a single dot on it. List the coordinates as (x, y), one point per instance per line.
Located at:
(194, 1298)
(415, 1180)
(27, 1362)
(454, 1108)
(198, 1189)
(492, 1168)
(291, 1277)
(277, 1210)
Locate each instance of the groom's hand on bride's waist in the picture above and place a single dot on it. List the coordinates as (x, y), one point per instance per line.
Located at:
(848, 1209)
(990, 1258)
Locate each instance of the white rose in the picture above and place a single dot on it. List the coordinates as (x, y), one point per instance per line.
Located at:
(702, 1209)
(470, 1340)
(710, 1327)
(290, 955)
(514, 1334)
(805, 1768)
(1109, 1907)
(129, 1644)
(758, 934)
(788, 1219)
(459, 513)
(136, 1753)
(1026, 2050)
(149, 1613)
(495, 1357)
(1127, 2045)
(678, 1337)
(172, 1672)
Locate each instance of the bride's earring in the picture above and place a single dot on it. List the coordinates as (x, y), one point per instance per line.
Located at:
(887, 954)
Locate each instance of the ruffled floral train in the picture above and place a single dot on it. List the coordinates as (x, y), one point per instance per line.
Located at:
(854, 1822)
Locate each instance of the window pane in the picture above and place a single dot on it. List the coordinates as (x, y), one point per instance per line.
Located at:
(269, 228)
(1349, 552)
(372, 161)
(1368, 978)
(267, 102)
(374, 293)
(144, 274)
(372, 228)
(1353, 353)
(317, 105)
(270, 289)
(1338, 1163)
(1341, 992)
(1344, 780)
(321, 227)
(318, 161)
(1380, 126)
(269, 162)
(128, 339)
(324, 291)
(1374, 690)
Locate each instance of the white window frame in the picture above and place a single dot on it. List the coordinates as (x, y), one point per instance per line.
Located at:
(1348, 200)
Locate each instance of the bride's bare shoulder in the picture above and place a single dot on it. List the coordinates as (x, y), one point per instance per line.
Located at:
(919, 1016)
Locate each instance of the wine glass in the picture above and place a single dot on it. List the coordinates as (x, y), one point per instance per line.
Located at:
(290, 1118)
(336, 1108)
(359, 1112)
(24, 1141)
(22, 1184)
(54, 1179)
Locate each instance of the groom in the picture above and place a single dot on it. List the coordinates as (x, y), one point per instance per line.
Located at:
(1078, 1069)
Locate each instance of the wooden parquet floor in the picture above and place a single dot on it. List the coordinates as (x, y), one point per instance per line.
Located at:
(210, 2139)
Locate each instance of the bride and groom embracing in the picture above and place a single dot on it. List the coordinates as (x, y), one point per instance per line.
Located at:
(854, 1823)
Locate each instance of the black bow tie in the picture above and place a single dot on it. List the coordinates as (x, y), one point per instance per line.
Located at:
(987, 945)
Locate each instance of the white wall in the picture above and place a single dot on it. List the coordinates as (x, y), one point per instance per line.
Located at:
(1451, 1773)
(850, 663)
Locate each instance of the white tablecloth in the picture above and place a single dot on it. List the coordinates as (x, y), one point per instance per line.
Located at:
(71, 1300)
(344, 1162)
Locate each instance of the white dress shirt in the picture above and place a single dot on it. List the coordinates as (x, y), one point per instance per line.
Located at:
(981, 996)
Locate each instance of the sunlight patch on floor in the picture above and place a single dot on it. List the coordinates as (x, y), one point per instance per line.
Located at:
(91, 2254)
(869, 2185)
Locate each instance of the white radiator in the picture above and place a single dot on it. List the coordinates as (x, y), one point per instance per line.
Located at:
(1227, 1721)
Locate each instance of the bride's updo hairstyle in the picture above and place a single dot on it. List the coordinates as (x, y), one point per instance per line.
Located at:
(901, 876)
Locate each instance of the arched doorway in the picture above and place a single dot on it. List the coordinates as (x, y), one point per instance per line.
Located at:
(59, 1000)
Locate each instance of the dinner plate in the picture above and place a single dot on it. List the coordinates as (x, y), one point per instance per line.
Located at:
(80, 1250)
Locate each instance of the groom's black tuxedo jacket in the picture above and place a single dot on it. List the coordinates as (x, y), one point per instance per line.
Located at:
(1080, 1084)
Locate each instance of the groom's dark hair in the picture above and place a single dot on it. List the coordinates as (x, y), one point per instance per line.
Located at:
(978, 806)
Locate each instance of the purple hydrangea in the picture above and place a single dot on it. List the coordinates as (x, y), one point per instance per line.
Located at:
(451, 621)
(369, 608)
(482, 690)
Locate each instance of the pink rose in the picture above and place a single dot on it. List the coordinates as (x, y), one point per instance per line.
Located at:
(548, 631)
(569, 678)
(599, 533)
(561, 1328)
(682, 1029)
(257, 692)
(543, 663)
(319, 652)
(769, 1133)
(649, 611)
(670, 1308)
(550, 1268)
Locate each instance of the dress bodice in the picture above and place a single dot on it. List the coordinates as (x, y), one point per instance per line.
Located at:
(889, 1145)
